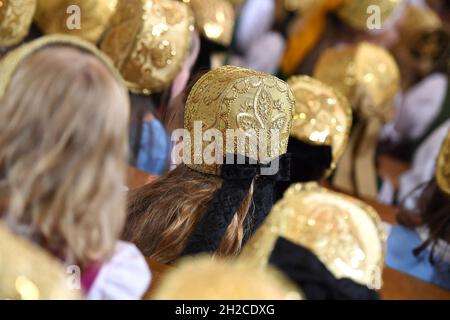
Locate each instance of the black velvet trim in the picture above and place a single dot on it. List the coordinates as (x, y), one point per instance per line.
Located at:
(313, 277)
(309, 163)
(237, 179)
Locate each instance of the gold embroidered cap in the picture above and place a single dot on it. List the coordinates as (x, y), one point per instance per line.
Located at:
(322, 116)
(443, 167)
(306, 7)
(16, 17)
(13, 59)
(423, 33)
(233, 100)
(366, 74)
(356, 12)
(87, 19)
(215, 19)
(148, 41)
(206, 278)
(236, 3)
(28, 273)
(417, 20)
(343, 232)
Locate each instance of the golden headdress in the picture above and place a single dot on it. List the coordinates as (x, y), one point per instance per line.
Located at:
(205, 278)
(250, 102)
(148, 41)
(313, 14)
(443, 167)
(87, 19)
(215, 19)
(366, 74)
(16, 17)
(344, 233)
(13, 59)
(305, 7)
(322, 115)
(355, 12)
(29, 273)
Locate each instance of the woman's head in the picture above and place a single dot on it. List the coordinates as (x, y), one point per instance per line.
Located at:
(163, 215)
(63, 151)
(202, 206)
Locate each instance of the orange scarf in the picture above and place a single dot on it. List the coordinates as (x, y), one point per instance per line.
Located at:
(304, 39)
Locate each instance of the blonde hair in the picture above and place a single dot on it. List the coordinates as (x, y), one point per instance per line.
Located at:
(162, 215)
(63, 153)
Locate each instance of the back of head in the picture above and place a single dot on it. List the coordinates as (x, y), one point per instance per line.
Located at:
(163, 214)
(63, 145)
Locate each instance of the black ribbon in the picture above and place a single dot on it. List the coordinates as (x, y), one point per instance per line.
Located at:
(309, 163)
(237, 179)
(312, 276)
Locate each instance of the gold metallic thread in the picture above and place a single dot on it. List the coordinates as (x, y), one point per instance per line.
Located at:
(322, 116)
(13, 59)
(423, 32)
(16, 17)
(241, 99)
(443, 167)
(354, 12)
(344, 233)
(148, 41)
(207, 278)
(215, 19)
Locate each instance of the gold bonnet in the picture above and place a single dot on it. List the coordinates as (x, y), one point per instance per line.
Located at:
(57, 16)
(214, 19)
(250, 102)
(148, 41)
(418, 20)
(15, 57)
(366, 74)
(322, 115)
(443, 167)
(16, 17)
(206, 278)
(343, 232)
(355, 12)
(29, 273)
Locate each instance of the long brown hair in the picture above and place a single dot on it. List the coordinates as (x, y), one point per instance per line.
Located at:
(162, 215)
(63, 153)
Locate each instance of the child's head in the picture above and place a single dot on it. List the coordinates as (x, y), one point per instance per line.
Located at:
(64, 116)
